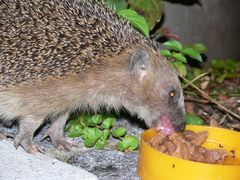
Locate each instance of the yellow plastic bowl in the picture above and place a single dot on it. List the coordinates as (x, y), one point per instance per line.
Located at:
(153, 165)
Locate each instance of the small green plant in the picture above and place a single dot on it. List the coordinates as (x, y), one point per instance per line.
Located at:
(136, 20)
(96, 129)
(142, 14)
(181, 54)
(223, 69)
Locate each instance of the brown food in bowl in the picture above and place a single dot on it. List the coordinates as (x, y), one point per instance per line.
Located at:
(187, 145)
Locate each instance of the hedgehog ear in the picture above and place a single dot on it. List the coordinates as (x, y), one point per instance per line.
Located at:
(139, 63)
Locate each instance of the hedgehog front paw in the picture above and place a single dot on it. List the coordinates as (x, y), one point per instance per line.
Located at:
(27, 145)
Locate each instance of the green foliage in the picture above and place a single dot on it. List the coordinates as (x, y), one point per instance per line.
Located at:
(136, 20)
(128, 143)
(223, 69)
(201, 48)
(179, 57)
(193, 119)
(143, 15)
(108, 122)
(119, 132)
(194, 72)
(150, 13)
(166, 52)
(75, 131)
(192, 53)
(94, 120)
(117, 5)
(151, 10)
(173, 45)
(174, 49)
(180, 67)
(96, 129)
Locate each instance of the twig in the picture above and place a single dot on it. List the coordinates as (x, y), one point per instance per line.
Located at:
(197, 100)
(196, 78)
(222, 119)
(190, 93)
(206, 96)
(207, 102)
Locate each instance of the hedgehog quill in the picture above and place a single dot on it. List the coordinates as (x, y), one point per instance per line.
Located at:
(58, 56)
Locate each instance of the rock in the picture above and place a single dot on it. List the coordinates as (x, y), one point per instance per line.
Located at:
(108, 164)
(17, 164)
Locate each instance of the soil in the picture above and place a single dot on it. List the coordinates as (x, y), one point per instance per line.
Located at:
(226, 93)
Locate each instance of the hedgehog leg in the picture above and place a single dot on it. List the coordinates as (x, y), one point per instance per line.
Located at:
(27, 126)
(56, 133)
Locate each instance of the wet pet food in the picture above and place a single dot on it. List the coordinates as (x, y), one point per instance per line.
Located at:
(187, 145)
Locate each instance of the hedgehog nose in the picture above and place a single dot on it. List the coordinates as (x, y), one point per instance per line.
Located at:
(180, 127)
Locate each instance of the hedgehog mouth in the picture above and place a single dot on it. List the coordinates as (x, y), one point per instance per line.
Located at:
(165, 126)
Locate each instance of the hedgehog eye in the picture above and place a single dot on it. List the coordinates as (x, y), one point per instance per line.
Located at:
(172, 94)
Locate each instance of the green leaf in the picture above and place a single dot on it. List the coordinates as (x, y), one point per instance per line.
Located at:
(173, 45)
(134, 143)
(118, 5)
(201, 48)
(119, 132)
(105, 134)
(91, 133)
(136, 20)
(179, 57)
(70, 124)
(75, 131)
(193, 119)
(165, 53)
(94, 120)
(192, 53)
(108, 122)
(122, 146)
(152, 10)
(227, 64)
(128, 143)
(100, 144)
(180, 67)
(89, 142)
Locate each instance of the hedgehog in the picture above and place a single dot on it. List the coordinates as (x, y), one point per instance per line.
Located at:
(62, 56)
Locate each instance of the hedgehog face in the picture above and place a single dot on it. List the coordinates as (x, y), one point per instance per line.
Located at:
(158, 91)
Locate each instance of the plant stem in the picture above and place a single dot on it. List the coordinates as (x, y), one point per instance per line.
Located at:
(196, 78)
(206, 96)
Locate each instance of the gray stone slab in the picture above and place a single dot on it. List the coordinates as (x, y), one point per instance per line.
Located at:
(19, 165)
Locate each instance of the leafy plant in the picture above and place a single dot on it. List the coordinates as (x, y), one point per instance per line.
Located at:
(223, 69)
(96, 129)
(136, 20)
(151, 10)
(181, 54)
(128, 142)
(145, 12)
(117, 5)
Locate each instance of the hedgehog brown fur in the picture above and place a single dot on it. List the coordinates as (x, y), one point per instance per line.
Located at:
(57, 38)
(58, 56)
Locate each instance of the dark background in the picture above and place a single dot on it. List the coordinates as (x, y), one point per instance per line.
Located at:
(215, 23)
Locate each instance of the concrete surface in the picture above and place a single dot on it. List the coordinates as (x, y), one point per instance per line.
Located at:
(19, 165)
